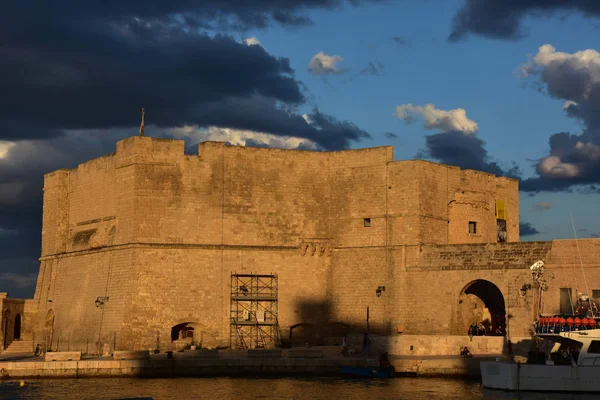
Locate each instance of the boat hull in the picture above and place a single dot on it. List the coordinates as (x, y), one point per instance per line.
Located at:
(539, 377)
(358, 372)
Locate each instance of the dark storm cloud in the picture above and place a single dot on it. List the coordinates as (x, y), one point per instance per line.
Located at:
(526, 229)
(464, 151)
(74, 77)
(171, 76)
(240, 113)
(93, 67)
(573, 160)
(21, 182)
(501, 19)
(211, 14)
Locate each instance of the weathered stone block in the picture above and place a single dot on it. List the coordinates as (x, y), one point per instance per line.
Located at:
(63, 356)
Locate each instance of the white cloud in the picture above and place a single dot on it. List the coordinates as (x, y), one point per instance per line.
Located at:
(553, 167)
(251, 41)
(322, 64)
(240, 137)
(307, 118)
(589, 150)
(445, 120)
(18, 280)
(586, 63)
(5, 148)
(569, 103)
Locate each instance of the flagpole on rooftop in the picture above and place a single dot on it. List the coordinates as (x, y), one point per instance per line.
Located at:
(142, 124)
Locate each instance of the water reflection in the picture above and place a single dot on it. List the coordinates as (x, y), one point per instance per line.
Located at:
(245, 389)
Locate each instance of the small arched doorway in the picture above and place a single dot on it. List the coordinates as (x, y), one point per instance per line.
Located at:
(185, 334)
(482, 302)
(17, 330)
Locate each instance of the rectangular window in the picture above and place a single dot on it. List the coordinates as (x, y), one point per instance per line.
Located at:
(501, 209)
(501, 230)
(596, 293)
(367, 222)
(566, 302)
(472, 227)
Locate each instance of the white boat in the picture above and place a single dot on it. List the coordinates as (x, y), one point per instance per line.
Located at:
(573, 365)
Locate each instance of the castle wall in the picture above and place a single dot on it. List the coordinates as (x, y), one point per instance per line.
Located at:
(575, 264)
(424, 285)
(357, 181)
(160, 233)
(440, 275)
(55, 224)
(70, 286)
(472, 197)
(403, 203)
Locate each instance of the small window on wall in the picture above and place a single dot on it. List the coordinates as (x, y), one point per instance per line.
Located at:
(596, 293)
(367, 222)
(472, 227)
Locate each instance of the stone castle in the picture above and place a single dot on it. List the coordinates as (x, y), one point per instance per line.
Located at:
(138, 248)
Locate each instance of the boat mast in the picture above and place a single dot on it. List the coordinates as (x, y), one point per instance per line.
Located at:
(587, 290)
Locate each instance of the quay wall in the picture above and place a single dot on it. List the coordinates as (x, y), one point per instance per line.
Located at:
(181, 367)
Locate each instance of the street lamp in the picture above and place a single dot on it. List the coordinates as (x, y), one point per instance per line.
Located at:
(524, 289)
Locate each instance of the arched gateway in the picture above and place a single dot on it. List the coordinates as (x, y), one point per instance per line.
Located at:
(481, 301)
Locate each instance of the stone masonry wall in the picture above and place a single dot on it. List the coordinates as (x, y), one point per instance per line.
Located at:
(69, 288)
(159, 233)
(575, 264)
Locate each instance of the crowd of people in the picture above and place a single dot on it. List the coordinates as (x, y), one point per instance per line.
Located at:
(477, 330)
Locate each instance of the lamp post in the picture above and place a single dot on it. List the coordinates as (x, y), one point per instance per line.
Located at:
(378, 292)
(100, 301)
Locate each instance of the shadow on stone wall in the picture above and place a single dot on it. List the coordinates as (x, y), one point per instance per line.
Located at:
(316, 326)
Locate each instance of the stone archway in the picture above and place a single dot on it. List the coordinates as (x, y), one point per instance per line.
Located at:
(17, 327)
(185, 334)
(482, 301)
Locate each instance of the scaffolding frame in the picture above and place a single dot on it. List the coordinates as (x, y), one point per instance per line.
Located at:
(253, 311)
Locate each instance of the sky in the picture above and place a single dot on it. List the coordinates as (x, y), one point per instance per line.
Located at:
(507, 87)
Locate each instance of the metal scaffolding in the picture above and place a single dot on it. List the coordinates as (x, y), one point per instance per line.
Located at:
(253, 311)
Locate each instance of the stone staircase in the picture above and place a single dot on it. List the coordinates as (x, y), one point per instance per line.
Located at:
(20, 346)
